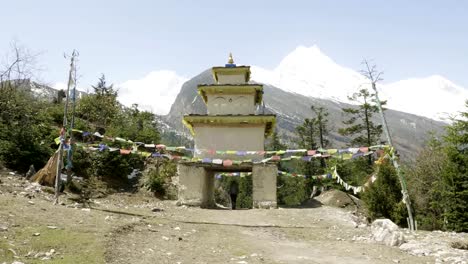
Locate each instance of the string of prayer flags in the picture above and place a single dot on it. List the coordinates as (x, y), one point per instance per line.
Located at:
(356, 189)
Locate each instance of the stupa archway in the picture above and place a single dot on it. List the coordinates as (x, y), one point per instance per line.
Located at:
(230, 137)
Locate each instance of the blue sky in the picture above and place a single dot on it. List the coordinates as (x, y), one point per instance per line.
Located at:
(128, 39)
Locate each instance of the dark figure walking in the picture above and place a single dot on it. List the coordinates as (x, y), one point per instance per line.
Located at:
(233, 191)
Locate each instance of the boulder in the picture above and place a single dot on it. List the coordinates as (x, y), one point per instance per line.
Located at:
(386, 232)
(337, 198)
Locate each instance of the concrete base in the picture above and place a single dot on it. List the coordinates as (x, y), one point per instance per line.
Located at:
(196, 186)
(264, 185)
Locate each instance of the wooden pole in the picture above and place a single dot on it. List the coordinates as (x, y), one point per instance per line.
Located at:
(394, 159)
(63, 132)
(72, 124)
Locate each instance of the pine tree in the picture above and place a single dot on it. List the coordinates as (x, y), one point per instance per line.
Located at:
(427, 187)
(457, 174)
(100, 108)
(321, 122)
(307, 134)
(360, 125)
(275, 142)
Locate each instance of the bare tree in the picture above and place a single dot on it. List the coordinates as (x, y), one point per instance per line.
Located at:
(19, 65)
(371, 73)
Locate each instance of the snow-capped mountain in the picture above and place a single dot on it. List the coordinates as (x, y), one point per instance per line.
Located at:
(434, 97)
(309, 72)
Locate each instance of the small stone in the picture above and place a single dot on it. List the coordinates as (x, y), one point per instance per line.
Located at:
(52, 227)
(242, 262)
(254, 255)
(3, 228)
(165, 238)
(17, 262)
(30, 202)
(176, 228)
(396, 260)
(180, 239)
(36, 234)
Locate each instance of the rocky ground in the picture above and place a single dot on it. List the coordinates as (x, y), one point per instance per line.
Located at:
(134, 228)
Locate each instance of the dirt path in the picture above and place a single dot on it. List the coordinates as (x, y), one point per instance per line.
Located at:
(125, 228)
(192, 235)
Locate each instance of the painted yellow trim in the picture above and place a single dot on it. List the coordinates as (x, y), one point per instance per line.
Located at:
(245, 70)
(268, 120)
(204, 89)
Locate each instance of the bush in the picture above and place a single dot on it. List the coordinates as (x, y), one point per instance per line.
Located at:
(157, 176)
(426, 186)
(22, 130)
(244, 198)
(383, 197)
(113, 165)
(292, 190)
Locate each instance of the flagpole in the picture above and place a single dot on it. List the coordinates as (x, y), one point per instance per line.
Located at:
(63, 132)
(394, 159)
(72, 124)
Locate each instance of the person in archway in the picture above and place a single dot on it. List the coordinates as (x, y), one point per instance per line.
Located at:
(233, 191)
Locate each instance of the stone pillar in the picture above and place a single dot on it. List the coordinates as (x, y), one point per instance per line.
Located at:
(196, 186)
(264, 185)
(208, 200)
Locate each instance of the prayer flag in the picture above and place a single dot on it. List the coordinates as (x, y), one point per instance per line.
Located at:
(227, 163)
(218, 161)
(125, 151)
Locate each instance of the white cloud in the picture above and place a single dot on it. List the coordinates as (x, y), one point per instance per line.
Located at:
(155, 92)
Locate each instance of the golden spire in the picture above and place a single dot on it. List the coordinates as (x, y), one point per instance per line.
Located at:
(231, 60)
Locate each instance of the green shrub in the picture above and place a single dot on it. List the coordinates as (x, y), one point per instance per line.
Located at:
(244, 198)
(157, 176)
(292, 190)
(383, 197)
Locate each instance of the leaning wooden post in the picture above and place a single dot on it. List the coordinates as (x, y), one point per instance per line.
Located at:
(63, 132)
(394, 159)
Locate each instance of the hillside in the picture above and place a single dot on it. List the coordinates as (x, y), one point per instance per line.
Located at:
(408, 131)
